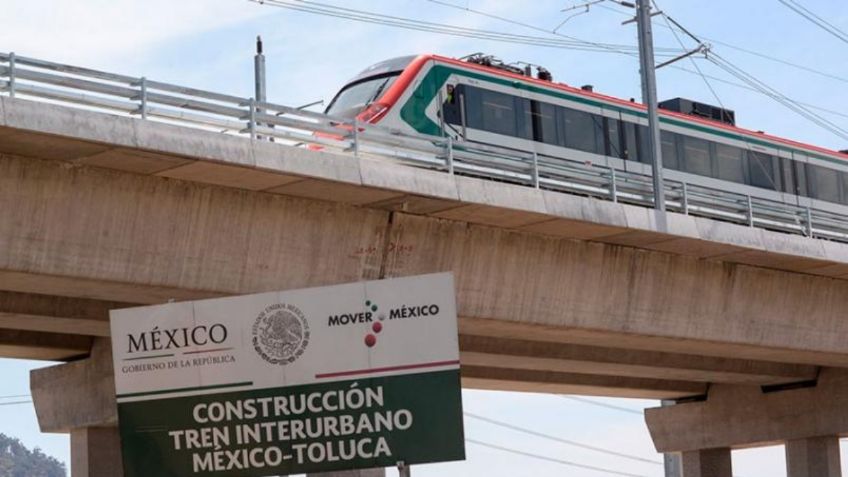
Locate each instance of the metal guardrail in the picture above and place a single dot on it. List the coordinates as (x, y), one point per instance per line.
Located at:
(227, 114)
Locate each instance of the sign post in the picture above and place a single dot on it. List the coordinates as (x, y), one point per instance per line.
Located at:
(343, 377)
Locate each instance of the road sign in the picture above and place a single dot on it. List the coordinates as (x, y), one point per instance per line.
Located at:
(341, 377)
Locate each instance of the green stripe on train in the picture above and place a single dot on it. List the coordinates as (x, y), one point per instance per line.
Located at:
(413, 110)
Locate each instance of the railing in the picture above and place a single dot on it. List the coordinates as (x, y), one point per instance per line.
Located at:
(226, 114)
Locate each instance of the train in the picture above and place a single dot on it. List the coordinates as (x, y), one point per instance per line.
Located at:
(483, 100)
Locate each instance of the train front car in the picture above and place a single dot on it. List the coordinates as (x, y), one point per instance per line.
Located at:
(479, 100)
(370, 95)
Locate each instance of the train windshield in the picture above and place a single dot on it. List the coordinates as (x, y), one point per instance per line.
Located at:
(357, 96)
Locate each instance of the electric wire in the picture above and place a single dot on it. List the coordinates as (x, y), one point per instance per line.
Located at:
(602, 404)
(749, 51)
(667, 19)
(561, 440)
(776, 95)
(14, 402)
(552, 459)
(441, 28)
(610, 48)
(815, 19)
(15, 396)
(753, 83)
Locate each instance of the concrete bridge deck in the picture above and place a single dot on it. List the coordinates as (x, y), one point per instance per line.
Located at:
(556, 292)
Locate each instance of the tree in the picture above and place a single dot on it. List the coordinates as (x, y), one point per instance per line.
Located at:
(18, 461)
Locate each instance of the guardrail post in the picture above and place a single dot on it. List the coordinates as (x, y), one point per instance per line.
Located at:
(684, 198)
(143, 97)
(613, 186)
(12, 75)
(535, 171)
(252, 124)
(750, 211)
(355, 137)
(809, 224)
(449, 154)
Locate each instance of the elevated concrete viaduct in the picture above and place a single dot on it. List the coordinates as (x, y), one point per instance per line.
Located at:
(557, 293)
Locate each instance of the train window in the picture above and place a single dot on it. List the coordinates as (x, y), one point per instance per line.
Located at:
(643, 138)
(355, 97)
(630, 143)
(670, 156)
(844, 179)
(524, 125)
(801, 179)
(450, 108)
(581, 130)
(762, 171)
(544, 120)
(730, 164)
(696, 156)
(824, 183)
(787, 175)
(491, 111)
(614, 138)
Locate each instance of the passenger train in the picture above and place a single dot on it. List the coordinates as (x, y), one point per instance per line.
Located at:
(483, 100)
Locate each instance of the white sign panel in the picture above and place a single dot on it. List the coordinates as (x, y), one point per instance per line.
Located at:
(241, 385)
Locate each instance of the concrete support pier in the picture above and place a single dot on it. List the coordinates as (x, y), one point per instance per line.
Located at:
(813, 457)
(707, 463)
(807, 416)
(96, 452)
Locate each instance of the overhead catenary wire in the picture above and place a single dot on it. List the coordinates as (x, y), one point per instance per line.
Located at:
(602, 404)
(749, 51)
(779, 97)
(815, 19)
(11, 403)
(668, 20)
(631, 51)
(441, 28)
(552, 459)
(531, 432)
(753, 83)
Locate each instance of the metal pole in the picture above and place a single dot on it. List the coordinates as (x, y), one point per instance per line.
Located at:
(809, 224)
(613, 186)
(535, 169)
(750, 212)
(259, 74)
(143, 86)
(449, 157)
(252, 118)
(12, 74)
(403, 469)
(649, 97)
(673, 467)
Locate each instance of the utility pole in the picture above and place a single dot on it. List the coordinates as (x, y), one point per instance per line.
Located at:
(649, 97)
(259, 72)
(260, 91)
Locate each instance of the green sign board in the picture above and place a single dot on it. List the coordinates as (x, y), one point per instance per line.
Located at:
(343, 377)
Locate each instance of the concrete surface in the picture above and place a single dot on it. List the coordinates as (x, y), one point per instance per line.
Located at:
(76, 395)
(36, 129)
(741, 416)
(108, 236)
(814, 457)
(707, 463)
(96, 452)
(556, 293)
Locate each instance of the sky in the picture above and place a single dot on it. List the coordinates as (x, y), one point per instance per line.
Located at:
(209, 44)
